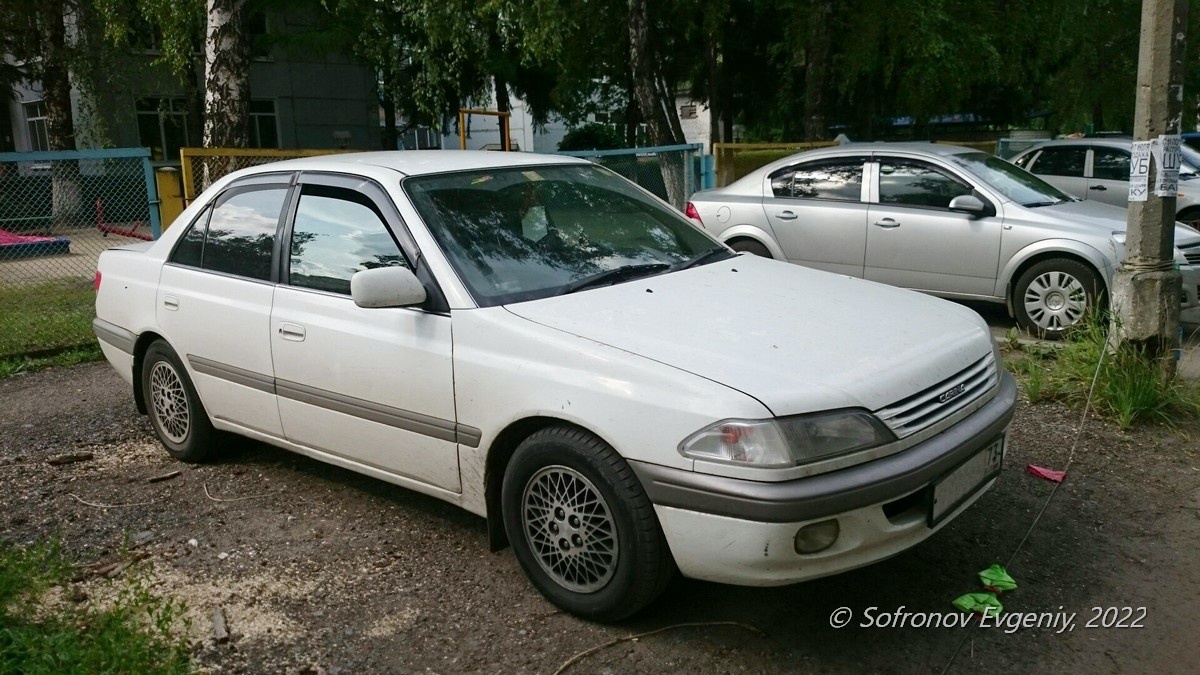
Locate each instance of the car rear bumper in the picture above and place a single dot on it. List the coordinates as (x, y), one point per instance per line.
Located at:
(743, 532)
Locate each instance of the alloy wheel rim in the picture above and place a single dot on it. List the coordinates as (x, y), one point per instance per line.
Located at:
(170, 402)
(570, 529)
(1055, 301)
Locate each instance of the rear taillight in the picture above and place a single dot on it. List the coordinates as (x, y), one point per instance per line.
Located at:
(692, 213)
(96, 281)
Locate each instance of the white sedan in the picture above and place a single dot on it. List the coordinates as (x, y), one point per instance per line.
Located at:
(546, 345)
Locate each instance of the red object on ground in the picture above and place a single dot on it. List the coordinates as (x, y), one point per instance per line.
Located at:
(9, 239)
(107, 229)
(1048, 474)
(13, 246)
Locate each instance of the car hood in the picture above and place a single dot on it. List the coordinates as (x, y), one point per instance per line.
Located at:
(796, 339)
(1094, 218)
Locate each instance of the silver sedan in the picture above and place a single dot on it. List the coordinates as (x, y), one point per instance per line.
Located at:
(942, 219)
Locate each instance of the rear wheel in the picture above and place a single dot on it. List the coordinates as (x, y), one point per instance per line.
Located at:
(581, 526)
(1054, 295)
(175, 410)
(751, 246)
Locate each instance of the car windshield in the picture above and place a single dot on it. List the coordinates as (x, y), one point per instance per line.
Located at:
(1190, 167)
(1010, 180)
(516, 234)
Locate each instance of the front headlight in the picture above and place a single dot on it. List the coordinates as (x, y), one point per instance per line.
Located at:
(787, 441)
(1119, 237)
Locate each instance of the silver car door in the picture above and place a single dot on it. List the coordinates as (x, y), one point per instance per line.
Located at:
(818, 215)
(1109, 178)
(915, 241)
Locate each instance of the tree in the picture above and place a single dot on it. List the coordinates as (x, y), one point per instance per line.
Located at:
(226, 75)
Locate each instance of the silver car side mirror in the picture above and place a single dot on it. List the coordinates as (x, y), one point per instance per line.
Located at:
(386, 287)
(968, 204)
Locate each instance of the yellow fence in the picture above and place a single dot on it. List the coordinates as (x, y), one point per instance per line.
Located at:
(204, 166)
(735, 160)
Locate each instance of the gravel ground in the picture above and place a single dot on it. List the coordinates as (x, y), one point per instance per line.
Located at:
(318, 570)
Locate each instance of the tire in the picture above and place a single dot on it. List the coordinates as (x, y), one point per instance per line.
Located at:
(550, 474)
(751, 246)
(1054, 295)
(175, 410)
(1190, 216)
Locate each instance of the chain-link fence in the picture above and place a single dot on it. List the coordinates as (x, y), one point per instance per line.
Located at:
(58, 211)
(204, 166)
(672, 172)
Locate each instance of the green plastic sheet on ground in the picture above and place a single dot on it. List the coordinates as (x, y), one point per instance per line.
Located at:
(997, 578)
(979, 602)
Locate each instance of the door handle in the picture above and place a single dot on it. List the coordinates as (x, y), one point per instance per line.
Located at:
(291, 331)
(888, 223)
(1101, 188)
(171, 302)
(786, 215)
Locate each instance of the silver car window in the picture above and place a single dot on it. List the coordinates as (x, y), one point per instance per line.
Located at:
(914, 183)
(839, 180)
(1110, 164)
(1061, 162)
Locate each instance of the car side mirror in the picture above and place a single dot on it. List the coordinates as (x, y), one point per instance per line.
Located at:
(386, 287)
(968, 204)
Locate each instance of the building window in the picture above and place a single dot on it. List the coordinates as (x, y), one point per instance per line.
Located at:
(162, 126)
(264, 126)
(35, 120)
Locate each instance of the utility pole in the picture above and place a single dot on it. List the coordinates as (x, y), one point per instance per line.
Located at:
(1147, 287)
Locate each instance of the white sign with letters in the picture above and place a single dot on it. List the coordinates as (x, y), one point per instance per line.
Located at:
(1167, 158)
(1139, 171)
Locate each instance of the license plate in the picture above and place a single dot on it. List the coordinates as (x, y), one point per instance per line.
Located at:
(957, 486)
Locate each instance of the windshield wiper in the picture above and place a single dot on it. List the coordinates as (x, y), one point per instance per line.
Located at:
(1034, 205)
(615, 275)
(712, 255)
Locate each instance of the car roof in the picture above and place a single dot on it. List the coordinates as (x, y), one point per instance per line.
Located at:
(1110, 141)
(916, 147)
(421, 162)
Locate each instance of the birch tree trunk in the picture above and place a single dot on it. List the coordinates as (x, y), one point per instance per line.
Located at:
(226, 75)
(656, 101)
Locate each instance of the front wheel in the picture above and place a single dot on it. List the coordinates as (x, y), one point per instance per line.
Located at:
(1054, 295)
(581, 526)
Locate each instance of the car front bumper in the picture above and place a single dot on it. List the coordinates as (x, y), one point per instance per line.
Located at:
(742, 532)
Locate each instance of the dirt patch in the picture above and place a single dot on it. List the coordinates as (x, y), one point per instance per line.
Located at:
(320, 570)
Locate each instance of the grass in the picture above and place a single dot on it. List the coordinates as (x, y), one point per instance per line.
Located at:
(46, 316)
(44, 632)
(1129, 388)
(16, 365)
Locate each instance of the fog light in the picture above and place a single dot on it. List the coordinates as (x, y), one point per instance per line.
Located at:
(817, 537)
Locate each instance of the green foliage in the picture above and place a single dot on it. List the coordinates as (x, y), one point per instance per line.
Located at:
(1128, 390)
(38, 635)
(15, 365)
(46, 315)
(593, 136)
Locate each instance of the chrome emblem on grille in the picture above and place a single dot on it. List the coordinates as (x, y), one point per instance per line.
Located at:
(952, 393)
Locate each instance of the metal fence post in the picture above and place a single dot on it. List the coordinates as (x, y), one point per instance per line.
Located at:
(152, 197)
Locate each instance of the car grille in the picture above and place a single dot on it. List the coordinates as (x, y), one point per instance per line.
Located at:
(1192, 253)
(926, 408)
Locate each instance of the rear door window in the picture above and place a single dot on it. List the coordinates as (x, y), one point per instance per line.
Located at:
(241, 232)
(839, 180)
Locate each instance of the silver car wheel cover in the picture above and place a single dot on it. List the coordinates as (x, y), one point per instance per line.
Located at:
(169, 402)
(1055, 301)
(570, 529)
